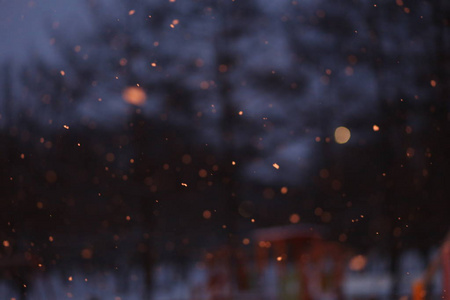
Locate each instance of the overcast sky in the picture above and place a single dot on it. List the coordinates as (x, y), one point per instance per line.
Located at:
(22, 25)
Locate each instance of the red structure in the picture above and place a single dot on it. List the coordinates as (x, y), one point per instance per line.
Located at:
(308, 267)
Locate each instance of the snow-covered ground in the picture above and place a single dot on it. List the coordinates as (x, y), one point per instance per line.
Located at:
(373, 283)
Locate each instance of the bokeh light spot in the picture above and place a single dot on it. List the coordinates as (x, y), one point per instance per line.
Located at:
(134, 95)
(342, 135)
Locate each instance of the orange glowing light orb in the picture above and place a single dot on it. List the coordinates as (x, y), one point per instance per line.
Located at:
(206, 214)
(134, 95)
(342, 135)
(294, 218)
(357, 263)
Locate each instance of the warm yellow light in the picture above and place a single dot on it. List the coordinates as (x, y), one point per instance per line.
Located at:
(342, 135)
(134, 95)
(357, 263)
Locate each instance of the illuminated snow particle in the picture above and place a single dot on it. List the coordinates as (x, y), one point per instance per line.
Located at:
(357, 263)
(203, 173)
(86, 254)
(184, 184)
(408, 129)
(199, 63)
(51, 176)
(134, 95)
(110, 157)
(276, 166)
(376, 128)
(123, 62)
(223, 68)
(294, 218)
(433, 83)
(66, 127)
(324, 173)
(342, 135)
(186, 159)
(206, 214)
(204, 85)
(131, 12)
(410, 152)
(349, 71)
(62, 73)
